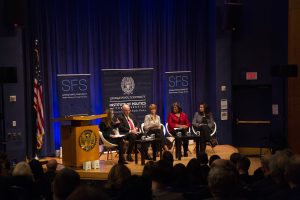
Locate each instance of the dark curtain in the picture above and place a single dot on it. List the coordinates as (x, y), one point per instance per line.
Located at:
(85, 36)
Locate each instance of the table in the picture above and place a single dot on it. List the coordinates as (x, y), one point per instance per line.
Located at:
(154, 142)
(179, 139)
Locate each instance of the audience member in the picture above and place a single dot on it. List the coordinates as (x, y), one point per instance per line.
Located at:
(223, 180)
(203, 160)
(212, 159)
(136, 188)
(243, 165)
(234, 157)
(293, 176)
(194, 170)
(181, 178)
(49, 177)
(274, 185)
(64, 183)
(22, 185)
(40, 183)
(168, 157)
(117, 175)
(147, 168)
(161, 176)
(87, 192)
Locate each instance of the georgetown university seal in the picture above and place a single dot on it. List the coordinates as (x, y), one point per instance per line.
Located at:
(127, 85)
(87, 140)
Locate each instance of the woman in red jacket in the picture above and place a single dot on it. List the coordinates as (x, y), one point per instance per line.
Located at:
(178, 122)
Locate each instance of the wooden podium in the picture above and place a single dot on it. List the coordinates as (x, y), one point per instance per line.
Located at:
(80, 140)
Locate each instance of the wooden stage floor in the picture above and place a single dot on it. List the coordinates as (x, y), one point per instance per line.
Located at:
(224, 151)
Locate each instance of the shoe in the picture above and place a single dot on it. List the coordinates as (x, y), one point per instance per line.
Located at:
(185, 154)
(129, 158)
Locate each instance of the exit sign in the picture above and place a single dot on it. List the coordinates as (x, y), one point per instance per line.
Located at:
(251, 76)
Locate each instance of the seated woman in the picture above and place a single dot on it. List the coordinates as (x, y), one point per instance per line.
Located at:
(178, 122)
(107, 126)
(203, 121)
(152, 125)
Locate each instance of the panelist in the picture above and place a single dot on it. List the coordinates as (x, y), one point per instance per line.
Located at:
(203, 121)
(152, 125)
(107, 127)
(129, 127)
(178, 122)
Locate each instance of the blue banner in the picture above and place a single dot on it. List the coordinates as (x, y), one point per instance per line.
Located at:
(178, 89)
(74, 94)
(131, 86)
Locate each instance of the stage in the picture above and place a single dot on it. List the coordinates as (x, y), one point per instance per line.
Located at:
(224, 151)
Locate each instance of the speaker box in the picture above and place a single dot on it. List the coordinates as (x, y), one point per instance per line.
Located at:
(284, 70)
(8, 75)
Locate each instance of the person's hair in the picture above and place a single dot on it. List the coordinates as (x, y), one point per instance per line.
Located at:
(176, 104)
(136, 187)
(206, 108)
(213, 158)
(147, 168)
(202, 158)
(117, 176)
(293, 170)
(162, 172)
(181, 177)
(194, 170)
(152, 106)
(243, 164)
(223, 179)
(107, 120)
(37, 169)
(65, 182)
(22, 169)
(87, 192)
(51, 165)
(277, 166)
(234, 157)
(168, 157)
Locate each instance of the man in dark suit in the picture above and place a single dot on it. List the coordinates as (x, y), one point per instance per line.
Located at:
(129, 127)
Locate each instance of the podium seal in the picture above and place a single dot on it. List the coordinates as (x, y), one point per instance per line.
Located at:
(87, 140)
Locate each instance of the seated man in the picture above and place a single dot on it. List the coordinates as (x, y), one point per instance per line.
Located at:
(128, 126)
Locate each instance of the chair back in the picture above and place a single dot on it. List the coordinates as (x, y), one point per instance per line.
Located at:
(105, 142)
(142, 128)
(164, 128)
(214, 131)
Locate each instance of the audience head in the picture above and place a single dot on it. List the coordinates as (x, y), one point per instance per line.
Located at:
(126, 109)
(243, 165)
(87, 192)
(136, 187)
(176, 108)
(265, 164)
(161, 174)
(153, 109)
(181, 179)
(293, 171)
(213, 158)
(64, 183)
(202, 158)
(117, 175)
(147, 168)
(277, 166)
(168, 157)
(37, 169)
(194, 170)
(235, 157)
(223, 179)
(22, 169)
(51, 165)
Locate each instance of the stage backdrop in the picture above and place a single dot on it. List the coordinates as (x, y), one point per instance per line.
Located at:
(74, 94)
(131, 86)
(178, 89)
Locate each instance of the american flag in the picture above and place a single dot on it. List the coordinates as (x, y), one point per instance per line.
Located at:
(38, 98)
